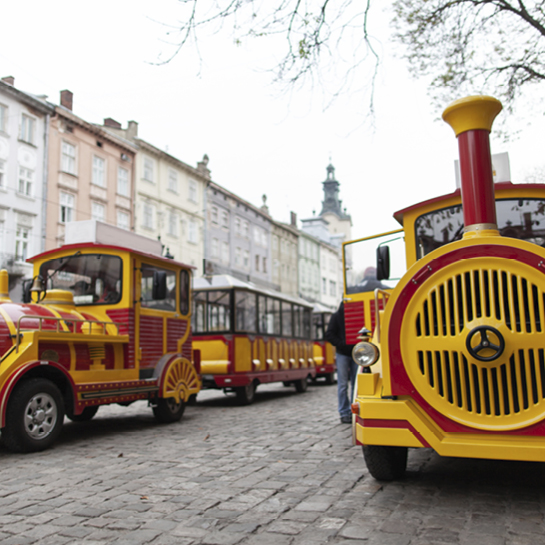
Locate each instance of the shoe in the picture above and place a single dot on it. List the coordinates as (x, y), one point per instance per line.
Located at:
(346, 420)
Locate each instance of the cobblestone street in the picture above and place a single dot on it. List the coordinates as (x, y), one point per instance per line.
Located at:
(281, 471)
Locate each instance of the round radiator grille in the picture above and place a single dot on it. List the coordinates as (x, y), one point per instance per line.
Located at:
(508, 297)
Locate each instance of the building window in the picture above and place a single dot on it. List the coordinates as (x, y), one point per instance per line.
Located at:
(192, 232)
(98, 211)
(246, 259)
(173, 180)
(275, 243)
(193, 191)
(225, 219)
(225, 252)
(246, 229)
(27, 129)
(264, 264)
(3, 118)
(324, 286)
(215, 249)
(257, 263)
(257, 236)
(99, 171)
(172, 223)
(22, 240)
(332, 288)
(26, 177)
(238, 256)
(68, 159)
(123, 182)
(214, 215)
(66, 200)
(3, 180)
(147, 216)
(238, 226)
(148, 169)
(123, 219)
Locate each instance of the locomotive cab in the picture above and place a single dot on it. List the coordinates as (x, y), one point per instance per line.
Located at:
(456, 356)
(103, 323)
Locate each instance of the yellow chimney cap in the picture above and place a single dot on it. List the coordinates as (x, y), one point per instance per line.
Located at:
(472, 113)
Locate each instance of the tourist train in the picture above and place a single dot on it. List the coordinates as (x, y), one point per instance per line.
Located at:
(453, 340)
(102, 322)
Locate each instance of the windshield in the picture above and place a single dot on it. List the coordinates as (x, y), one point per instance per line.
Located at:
(517, 218)
(360, 262)
(92, 278)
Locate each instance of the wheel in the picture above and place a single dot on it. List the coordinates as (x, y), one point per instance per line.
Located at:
(192, 399)
(85, 416)
(385, 463)
(330, 378)
(180, 380)
(168, 410)
(34, 416)
(301, 385)
(286, 384)
(246, 394)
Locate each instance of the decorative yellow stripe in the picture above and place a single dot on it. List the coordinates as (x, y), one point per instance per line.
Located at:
(9, 321)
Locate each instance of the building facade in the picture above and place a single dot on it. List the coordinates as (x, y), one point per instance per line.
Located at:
(169, 198)
(91, 174)
(238, 238)
(24, 120)
(285, 253)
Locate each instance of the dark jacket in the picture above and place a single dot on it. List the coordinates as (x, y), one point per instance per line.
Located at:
(335, 333)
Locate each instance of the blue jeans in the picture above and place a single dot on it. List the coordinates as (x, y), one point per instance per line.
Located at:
(346, 372)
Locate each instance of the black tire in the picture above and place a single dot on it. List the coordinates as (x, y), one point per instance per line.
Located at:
(286, 384)
(330, 378)
(301, 385)
(246, 394)
(87, 414)
(385, 463)
(167, 410)
(34, 416)
(192, 399)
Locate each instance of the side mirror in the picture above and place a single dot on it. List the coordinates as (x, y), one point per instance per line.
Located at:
(27, 284)
(383, 263)
(159, 291)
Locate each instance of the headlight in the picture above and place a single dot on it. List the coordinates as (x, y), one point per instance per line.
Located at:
(365, 354)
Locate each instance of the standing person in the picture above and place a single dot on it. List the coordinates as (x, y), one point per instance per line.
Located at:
(346, 366)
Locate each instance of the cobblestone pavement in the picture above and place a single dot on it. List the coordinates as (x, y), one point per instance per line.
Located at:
(281, 471)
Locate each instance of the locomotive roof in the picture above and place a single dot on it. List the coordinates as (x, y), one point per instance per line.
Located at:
(510, 187)
(98, 247)
(226, 281)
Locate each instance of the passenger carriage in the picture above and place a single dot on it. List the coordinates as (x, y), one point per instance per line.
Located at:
(248, 336)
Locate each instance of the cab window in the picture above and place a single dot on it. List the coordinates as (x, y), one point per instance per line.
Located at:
(158, 288)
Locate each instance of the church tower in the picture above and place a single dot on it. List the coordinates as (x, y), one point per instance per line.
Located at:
(339, 222)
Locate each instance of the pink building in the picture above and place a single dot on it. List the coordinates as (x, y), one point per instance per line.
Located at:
(91, 174)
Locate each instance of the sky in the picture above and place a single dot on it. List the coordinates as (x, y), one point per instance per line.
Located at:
(221, 102)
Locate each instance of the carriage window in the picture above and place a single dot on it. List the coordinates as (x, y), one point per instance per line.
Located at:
(199, 312)
(154, 298)
(306, 323)
(273, 317)
(318, 327)
(262, 313)
(245, 311)
(287, 321)
(93, 279)
(185, 290)
(297, 320)
(219, 311)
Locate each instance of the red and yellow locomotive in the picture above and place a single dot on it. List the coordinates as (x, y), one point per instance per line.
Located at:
(104, 323)
(457, 352)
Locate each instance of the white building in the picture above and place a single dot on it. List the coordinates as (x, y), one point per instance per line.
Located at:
(24, 121)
